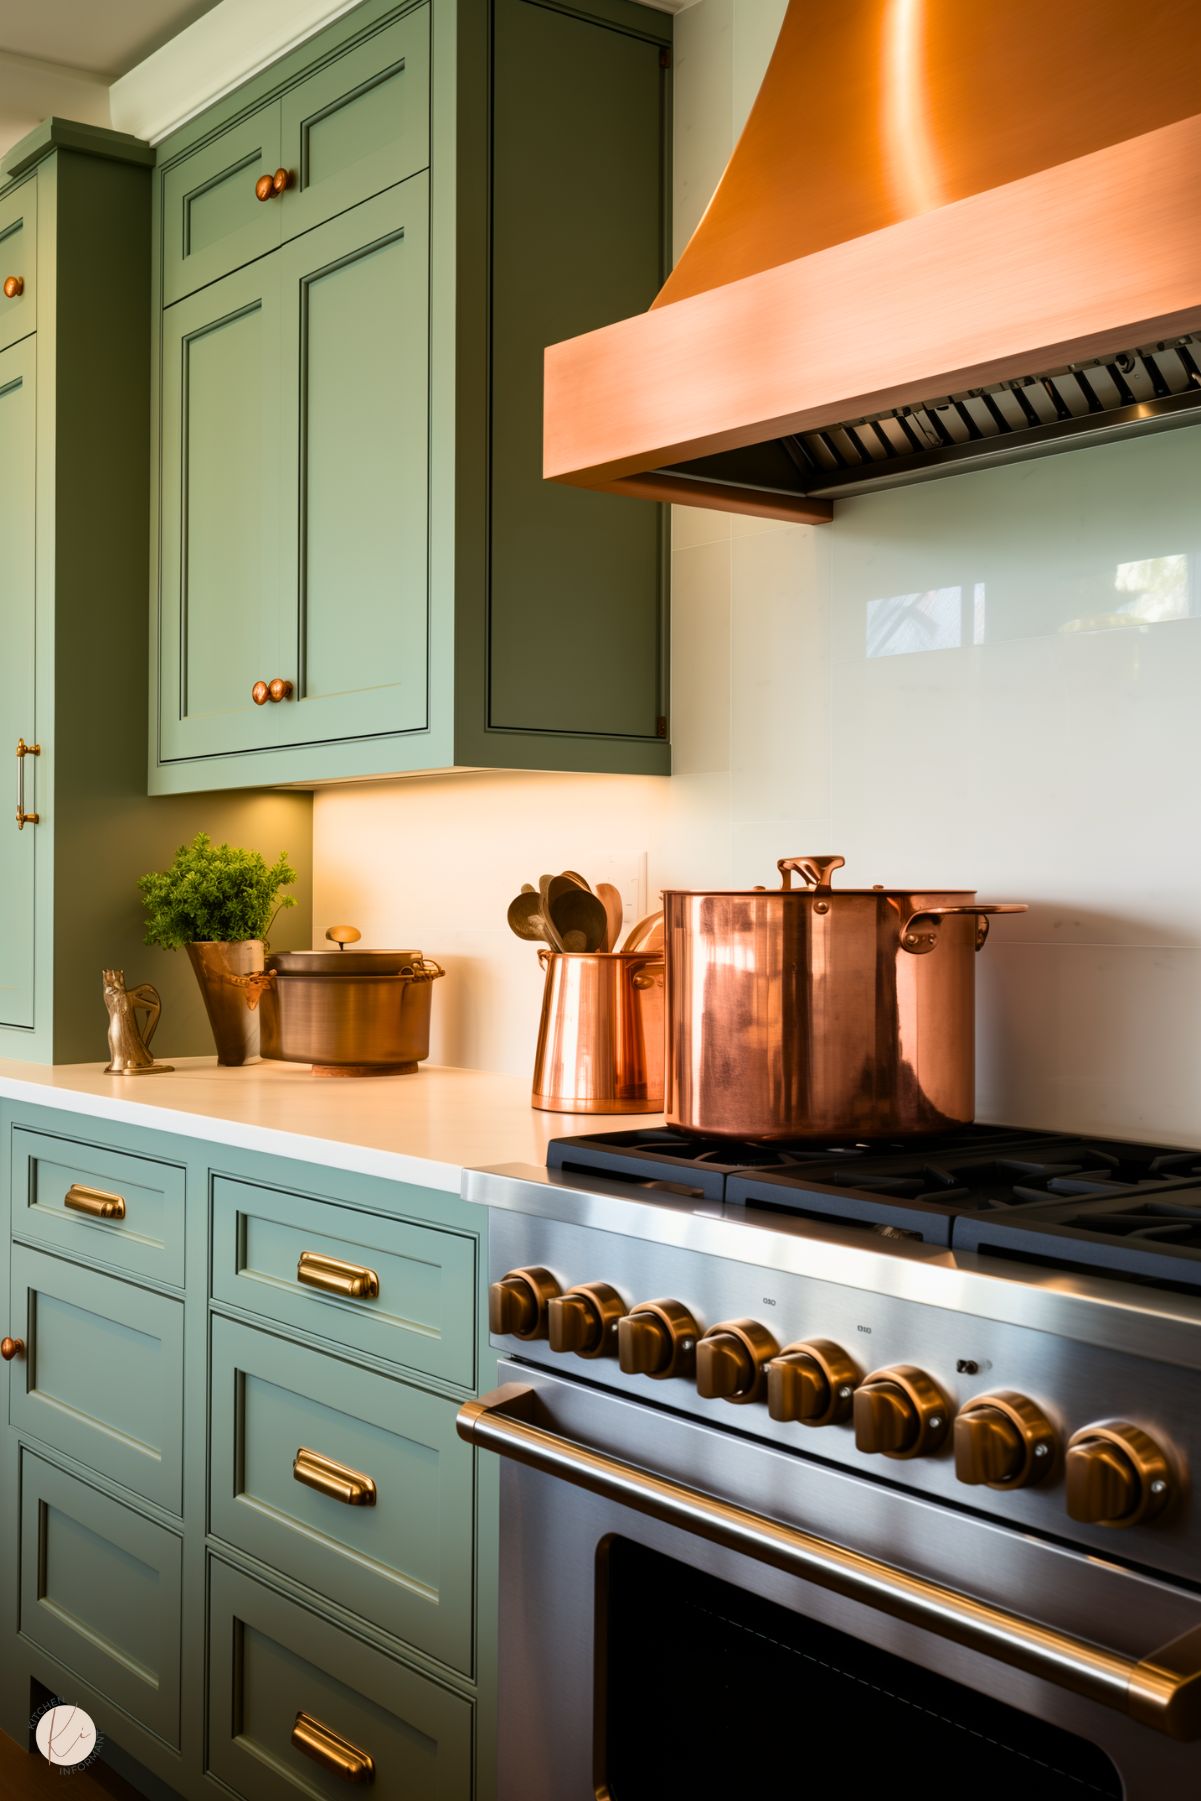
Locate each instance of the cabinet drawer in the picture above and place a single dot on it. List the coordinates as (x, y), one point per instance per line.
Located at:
(271, 1660)
(102, 1374)
(19, 258)
(212, 219)
(100, 1593)
(404, 1560)
(422, 1313)
(107, 1207)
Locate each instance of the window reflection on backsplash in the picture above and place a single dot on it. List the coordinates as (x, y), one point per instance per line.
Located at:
(939, 619)
(1146, 592)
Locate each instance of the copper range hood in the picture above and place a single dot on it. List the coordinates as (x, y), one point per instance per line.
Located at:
(953, 233)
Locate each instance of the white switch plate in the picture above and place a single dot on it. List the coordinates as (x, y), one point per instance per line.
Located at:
(628, 875)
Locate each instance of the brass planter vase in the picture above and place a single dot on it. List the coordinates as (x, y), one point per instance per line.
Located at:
(230, 999)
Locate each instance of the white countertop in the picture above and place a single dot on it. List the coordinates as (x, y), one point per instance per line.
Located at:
(424, 1128)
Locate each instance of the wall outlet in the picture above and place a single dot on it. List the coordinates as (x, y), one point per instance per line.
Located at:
(628, 875)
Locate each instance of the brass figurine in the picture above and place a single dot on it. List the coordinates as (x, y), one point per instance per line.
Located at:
(128, 1045)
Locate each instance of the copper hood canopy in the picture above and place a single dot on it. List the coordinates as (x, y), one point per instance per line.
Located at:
(952, 234)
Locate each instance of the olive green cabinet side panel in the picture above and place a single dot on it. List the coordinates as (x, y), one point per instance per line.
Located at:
(18, 436)
(355, 571)
(357, 126)
(403, 1562)
(221, 495)
(100, 1587)
(576, 579)
(271, 1659)
(212, 219)
(103, 1207)
(102, 1374)
(19, 263)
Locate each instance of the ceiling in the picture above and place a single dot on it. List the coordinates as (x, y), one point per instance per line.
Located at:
(103, 39)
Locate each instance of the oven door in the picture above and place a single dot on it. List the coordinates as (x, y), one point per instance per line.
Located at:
(744, 1615)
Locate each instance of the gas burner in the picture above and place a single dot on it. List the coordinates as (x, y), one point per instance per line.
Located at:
(1153, 1238)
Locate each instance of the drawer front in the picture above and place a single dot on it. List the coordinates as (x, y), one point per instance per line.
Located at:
(271, 1660)
(100, 1592)
(19, 259)
(423, 1313)
(212, 219)
(102, 1374)
(357, 126)
(404, 1561)
(106, 1207)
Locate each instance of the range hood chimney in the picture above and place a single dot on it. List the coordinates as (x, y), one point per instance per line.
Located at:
(953, 233)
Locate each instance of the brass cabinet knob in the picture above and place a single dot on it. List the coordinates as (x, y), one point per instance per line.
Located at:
(658, 1339)
(900, 1412)
(268, 186)
(11, 1347)
(517, 1304)
(731, 1359)
(1003, 1441)
(584, 1320)
(277, 689)
(813, 1383)
(1116, 1476)
(13, 285)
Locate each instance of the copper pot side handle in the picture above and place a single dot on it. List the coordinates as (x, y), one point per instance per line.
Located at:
(255, 985)
(427, 970)
(919, 934)
(1161, 1690)
(815, 870)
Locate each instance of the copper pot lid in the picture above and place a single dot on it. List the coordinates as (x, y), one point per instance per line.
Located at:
(816, 874)
(344, 962)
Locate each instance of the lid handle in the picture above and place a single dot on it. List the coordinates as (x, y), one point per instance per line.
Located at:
(343, 935)
(816, 871)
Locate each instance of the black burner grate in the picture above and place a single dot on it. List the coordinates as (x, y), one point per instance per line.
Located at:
(1140, 1236)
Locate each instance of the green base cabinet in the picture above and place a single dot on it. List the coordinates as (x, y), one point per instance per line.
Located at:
(348, 490)
(179, 1441)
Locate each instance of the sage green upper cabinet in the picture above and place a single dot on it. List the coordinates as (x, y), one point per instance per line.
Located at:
(349, 486)
(19, 262)
(18, 435)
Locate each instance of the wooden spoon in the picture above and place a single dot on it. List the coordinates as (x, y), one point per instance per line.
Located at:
(527, 919)
(578, 915)
(610, 899)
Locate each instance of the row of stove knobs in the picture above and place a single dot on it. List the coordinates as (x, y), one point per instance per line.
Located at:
(1115, 1473)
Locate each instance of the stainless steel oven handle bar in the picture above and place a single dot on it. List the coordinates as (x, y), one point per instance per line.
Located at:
(1161, 1690)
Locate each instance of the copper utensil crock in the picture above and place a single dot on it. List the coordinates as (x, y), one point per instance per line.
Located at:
(814, 1013)
(600, 1042)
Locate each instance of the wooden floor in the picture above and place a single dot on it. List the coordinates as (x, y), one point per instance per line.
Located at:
(30, 1778)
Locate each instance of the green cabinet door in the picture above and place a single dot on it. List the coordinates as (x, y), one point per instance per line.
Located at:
(18, 434)
(212, 219)
(219, 625)
(18, 259)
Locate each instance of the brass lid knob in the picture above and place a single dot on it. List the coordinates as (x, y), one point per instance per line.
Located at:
(731, 1359)
(12, 1347)
(13, 285)
(1116, 1476)
(517, 1303)
(658, 1339)
(900, 1412)
(1003, 1441)
(344, 935)
(813, 1383)
(584, 1319)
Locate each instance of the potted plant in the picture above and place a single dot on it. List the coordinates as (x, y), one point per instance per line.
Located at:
(220, 903)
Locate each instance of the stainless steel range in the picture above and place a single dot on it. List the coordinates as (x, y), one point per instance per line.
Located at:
(867, 1460)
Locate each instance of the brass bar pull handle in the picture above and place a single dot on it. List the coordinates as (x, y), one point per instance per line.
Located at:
(25, 750)
(1161, 1690)
(331, 1750)
(94, 1202)
(351, 1280)
(336, 1480)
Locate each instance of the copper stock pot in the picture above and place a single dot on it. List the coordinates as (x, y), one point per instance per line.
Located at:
(814, 1013)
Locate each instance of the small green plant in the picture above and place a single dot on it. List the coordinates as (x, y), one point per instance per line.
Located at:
(214, 892)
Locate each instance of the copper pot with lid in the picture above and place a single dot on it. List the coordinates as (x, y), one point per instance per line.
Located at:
(815, 1012)
(347, 1012)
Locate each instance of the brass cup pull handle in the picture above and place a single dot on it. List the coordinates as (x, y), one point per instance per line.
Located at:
(336, 1480)
(277, 689)
(1161, 1690)
(919, 934)
(95, 1202)
(816, 871)
(331, 1750)
(25, 750)
(14, 286)
(353, 1281)
(269, 187)
(11, 1347)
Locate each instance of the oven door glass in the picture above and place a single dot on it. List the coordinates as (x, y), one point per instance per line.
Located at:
(710, 1693)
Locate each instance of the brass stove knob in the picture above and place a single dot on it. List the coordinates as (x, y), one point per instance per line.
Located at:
(813, 1382)
(584, 1320)
(517, 1303)
(658, 1339)
(1003, 1441)
(900, 1412)
(1116, 1476)
(731, 1361)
